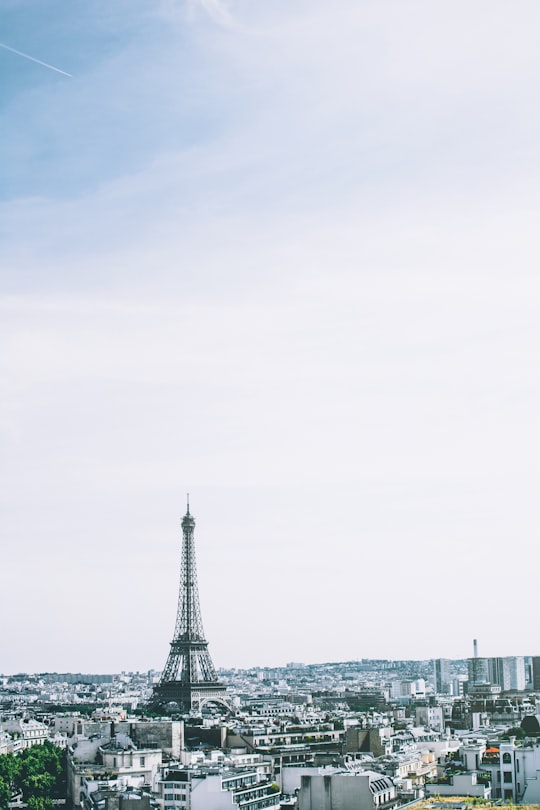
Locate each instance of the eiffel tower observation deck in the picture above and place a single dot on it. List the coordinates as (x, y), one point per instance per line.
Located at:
(189, 679)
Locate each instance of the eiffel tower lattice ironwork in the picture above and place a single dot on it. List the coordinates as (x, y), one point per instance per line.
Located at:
(189, 678)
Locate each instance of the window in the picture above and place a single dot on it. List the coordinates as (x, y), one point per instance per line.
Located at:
(141, 761)
(507, 776)
(507, 758)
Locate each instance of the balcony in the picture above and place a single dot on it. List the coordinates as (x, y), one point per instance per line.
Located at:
(268, 800)
(264, 795)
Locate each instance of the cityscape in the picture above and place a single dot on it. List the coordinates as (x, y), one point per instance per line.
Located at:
(283, 256)
(351, 735)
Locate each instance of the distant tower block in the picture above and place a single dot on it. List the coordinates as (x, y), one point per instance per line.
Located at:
(189, 679)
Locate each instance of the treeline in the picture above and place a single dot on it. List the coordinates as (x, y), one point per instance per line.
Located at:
(71, 708)
(39, 772)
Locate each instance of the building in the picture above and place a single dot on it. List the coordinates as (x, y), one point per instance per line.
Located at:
(342, 790)
(514, 770)
(514, 673)
(215, 789)
(478, 669)
(25, 732)
(109, 766)
(460, 784)
(509, 672)
(406, 691)
(536, 673)
(430, 717)
(442, 677)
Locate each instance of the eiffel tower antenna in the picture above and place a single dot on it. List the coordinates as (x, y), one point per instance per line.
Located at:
(189, 678)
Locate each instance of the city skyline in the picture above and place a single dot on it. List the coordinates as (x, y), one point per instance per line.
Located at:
(464, 666)
(283, 257)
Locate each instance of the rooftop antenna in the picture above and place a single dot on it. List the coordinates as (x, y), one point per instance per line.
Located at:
(187, 503)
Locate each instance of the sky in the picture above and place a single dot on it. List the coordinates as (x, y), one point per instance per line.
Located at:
(284, 257)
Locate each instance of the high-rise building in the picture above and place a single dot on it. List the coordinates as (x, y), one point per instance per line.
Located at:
(442, 678)
(507, 672)
(478, 671)
(536, 673)
(514, 673)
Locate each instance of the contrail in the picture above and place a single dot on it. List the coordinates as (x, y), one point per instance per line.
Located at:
(33, 59)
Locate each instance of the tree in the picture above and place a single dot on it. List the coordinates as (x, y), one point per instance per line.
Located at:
(516, 731)
(39, 772)
(42, 773)
(40, 803)
(38, 785)
(530, 725)
(5, 794)
(9, 772)
(9, 769)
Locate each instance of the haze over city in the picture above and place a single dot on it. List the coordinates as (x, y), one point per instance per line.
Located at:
(282, 256)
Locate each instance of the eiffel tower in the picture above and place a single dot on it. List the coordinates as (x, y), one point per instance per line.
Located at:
(189, 678)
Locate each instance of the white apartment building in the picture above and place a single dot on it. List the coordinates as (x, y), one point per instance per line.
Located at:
(214, 790)
(94, 766)
(341, 790)
(515, 771)
(459, 784)
(6, 743)
(430, 717)
(133, 766)
(26, 733)
(405, 691)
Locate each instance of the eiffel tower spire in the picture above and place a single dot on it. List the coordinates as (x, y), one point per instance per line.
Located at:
(189, 678)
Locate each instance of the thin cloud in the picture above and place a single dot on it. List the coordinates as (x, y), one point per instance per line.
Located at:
(217, 11)
(34, 59)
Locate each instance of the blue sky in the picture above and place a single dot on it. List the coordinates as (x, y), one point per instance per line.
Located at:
(283, 256)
